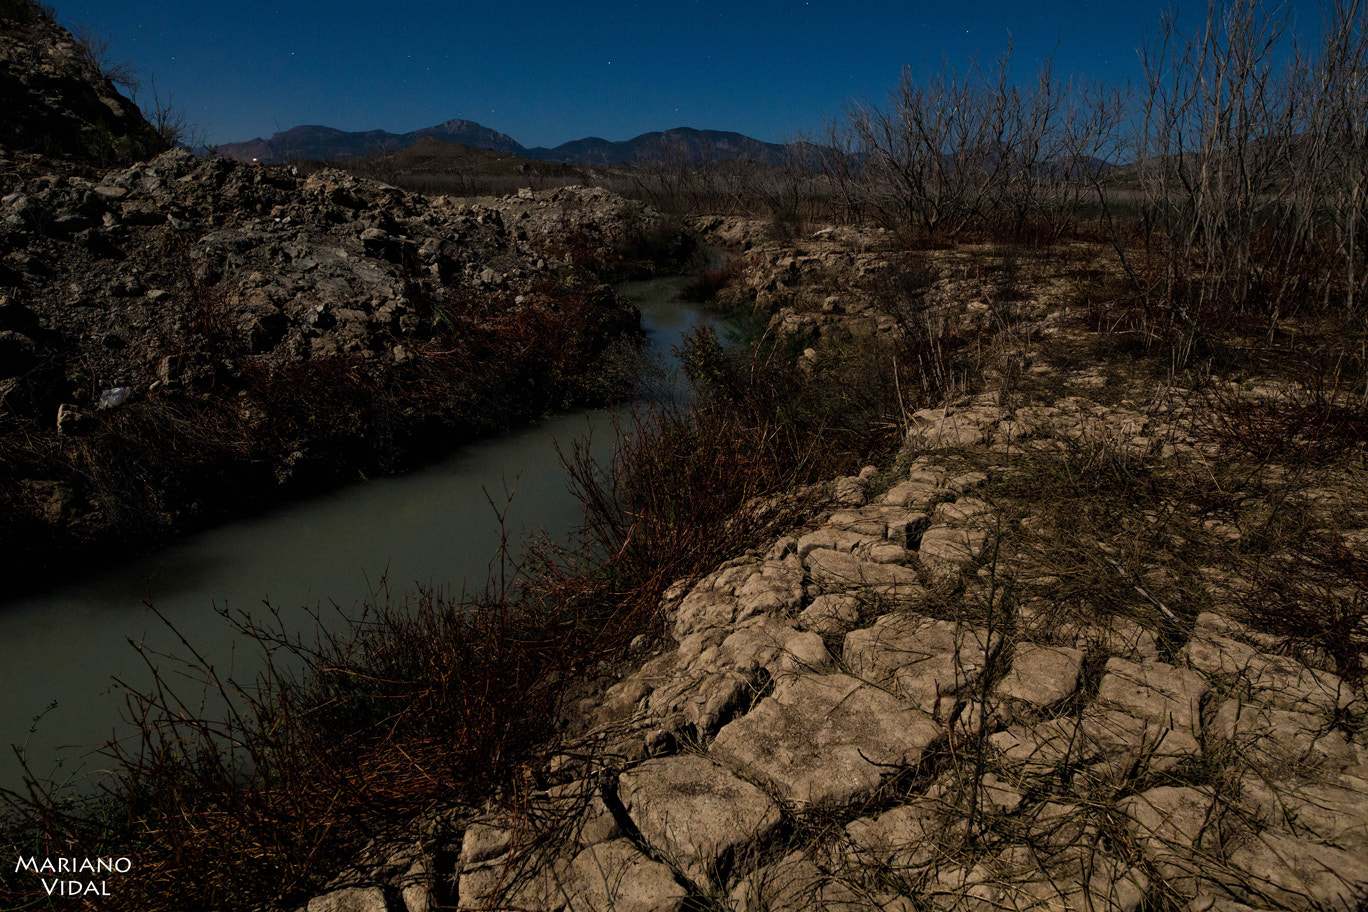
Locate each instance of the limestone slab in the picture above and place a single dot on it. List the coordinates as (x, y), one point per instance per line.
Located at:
(350, 899)
(837, 571)
(1278, 740)
(616, 875)
(831, 615)
(1042, 675)
(952, 543)
(923, 659)
(1278, 869)
(906, 839)
(695, 812)
(1155, 692)
(826, 739)
(787, 885)
(1168, 824)
(836, 540)
(1120, 744)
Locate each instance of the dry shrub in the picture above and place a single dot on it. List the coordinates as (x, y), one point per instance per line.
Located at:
(1314, 599)
(246, 792)
(706, 285)
(261, 790)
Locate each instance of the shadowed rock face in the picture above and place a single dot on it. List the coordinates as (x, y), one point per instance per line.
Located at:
(180, 284)
(57, 102)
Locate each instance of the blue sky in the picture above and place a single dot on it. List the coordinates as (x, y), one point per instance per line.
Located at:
(550, 72)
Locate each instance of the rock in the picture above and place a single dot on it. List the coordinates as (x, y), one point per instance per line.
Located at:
(825, 740)
(350, 899)
(1124, 746)
(760, 642)
(704, 608)
(1280, 682)
(915, 492)
(939, 428)
(1041, 749)
(777, 588)
(1330, 809)
(927, 661)
(1169, 825)
(1277, 740)
(909, 838)
(945, 549)
(616, 875)
(73, 421)
(481, 885)
(1155, 692)
(709, 704)
(787, 885)
(1280, 870)
(696, 814)
(831, 615)
(836, 539)
(849, 491)
(837, 571)
(806, 652)
(1041, 675)
(483, 841)
(583, 802)
(416, 886)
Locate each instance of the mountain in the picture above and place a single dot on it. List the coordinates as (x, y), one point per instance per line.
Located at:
(682, 143)
(328, 144)
(467, 133)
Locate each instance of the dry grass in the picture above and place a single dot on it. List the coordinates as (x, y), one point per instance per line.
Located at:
(252, 791)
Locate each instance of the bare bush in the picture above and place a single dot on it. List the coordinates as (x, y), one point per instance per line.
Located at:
(1336, 163)
(99, 52)
(170, 122)
(1216, 123)
(1251, 168)
(973, 152)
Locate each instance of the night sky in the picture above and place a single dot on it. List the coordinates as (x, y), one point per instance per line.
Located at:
(549, 72)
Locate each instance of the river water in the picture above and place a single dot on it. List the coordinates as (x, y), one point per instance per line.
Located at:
(437, 527)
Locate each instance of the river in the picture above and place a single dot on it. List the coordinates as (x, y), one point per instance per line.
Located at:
(436, 527)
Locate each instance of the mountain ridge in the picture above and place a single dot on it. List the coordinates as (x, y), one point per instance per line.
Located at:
(679, 143)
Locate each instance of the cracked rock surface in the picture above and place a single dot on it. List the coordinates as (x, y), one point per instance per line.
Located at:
(991, 676)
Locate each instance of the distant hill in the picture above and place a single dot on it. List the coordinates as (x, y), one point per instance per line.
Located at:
(679, 144)
(328, 144)
(682, 143)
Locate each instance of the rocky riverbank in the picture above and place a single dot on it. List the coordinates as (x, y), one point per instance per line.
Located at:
(183, 327)
(1075, 648)
(184, 339)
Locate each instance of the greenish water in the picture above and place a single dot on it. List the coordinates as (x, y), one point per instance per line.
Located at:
(437, 528)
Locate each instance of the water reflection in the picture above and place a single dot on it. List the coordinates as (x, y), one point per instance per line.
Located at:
(436, 528)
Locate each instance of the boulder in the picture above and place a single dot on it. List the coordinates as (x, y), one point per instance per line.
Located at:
(696, 813)
(616, 875)
(826, 740)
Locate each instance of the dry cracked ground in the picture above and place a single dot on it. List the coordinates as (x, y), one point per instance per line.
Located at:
(1075, 649)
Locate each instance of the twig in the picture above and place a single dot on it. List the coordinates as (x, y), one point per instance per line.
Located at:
(1140, 589)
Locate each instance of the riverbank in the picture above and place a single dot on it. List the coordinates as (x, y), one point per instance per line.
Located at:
(188, 339)
(1094, 638)
(440, 526)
